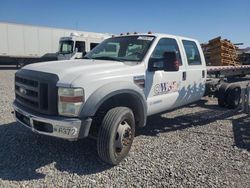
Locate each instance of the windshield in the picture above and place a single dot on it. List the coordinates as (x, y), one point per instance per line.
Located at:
(128, 48)
(66, 46)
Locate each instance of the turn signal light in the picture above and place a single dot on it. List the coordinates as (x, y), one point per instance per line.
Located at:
(73, 99)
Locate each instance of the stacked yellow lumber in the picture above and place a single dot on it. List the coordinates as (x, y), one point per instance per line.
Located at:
(220, 52)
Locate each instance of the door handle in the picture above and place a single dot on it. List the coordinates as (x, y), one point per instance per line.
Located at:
(184, 76)
(203, 73)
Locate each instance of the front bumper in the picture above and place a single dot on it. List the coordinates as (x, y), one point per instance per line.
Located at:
(56, 126)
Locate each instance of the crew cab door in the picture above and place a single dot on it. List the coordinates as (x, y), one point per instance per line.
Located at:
(162, 88)
(193, 83)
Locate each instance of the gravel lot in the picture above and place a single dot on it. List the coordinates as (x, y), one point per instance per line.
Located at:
(200, 145)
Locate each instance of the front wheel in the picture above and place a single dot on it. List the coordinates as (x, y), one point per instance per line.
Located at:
(116, 135)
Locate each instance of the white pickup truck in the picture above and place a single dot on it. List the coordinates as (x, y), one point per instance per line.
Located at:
(115, 87)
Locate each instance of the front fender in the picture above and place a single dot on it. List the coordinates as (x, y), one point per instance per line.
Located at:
(103, 93)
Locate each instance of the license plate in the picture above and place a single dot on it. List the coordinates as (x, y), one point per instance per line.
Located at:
(66, 131)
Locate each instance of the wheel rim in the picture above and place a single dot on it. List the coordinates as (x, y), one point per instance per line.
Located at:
(123, 137)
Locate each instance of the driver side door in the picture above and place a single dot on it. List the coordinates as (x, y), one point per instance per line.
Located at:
(163, 87)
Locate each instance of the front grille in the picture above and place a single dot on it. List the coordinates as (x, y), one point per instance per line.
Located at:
(27, 91)
(37, 91)
(31, 83)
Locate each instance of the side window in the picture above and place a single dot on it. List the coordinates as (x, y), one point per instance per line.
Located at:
(192, 52)
(80, 46)
(166, 45)
(92, 45)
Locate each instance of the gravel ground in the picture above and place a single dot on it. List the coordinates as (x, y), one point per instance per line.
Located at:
(200, 145)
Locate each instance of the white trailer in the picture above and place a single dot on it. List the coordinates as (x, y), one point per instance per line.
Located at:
(22, 44)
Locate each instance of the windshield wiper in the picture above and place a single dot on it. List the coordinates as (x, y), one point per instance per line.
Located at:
(108, 58)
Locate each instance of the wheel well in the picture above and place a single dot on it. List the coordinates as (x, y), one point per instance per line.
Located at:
(126, 100)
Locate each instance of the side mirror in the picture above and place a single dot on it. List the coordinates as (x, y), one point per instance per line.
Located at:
(76, 50)
(168, 63)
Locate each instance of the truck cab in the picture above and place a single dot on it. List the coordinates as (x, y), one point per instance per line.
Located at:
(76, 46)
(111, 91)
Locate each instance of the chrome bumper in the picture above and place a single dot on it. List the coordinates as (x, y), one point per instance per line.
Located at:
(66, 128)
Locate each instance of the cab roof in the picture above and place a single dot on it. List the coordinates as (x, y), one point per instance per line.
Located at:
(158, 35)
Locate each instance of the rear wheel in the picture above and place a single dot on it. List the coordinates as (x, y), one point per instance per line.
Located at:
(116, 134)
(222, 95)
(233, 96)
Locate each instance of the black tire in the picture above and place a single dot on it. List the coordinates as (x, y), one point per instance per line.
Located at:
(233, 96)
(108, 135)
(222, 95)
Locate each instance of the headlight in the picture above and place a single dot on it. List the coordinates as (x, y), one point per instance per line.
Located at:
(70, 101)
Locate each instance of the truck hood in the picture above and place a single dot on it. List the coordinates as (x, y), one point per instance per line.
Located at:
(69, 70)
